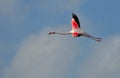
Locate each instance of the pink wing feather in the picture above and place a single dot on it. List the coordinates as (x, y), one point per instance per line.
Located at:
(75, 22)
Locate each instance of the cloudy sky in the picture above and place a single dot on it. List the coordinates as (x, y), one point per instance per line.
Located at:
(26, 50)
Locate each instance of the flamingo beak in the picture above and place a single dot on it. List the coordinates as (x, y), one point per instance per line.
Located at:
(51, 33)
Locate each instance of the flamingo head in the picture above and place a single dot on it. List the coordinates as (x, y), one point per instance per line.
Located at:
(51, 33)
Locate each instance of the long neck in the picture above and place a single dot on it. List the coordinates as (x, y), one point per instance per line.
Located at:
(62, 33)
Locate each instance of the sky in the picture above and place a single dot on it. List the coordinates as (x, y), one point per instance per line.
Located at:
(27, 51)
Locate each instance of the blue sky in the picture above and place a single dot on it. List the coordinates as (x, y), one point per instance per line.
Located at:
(26, 50)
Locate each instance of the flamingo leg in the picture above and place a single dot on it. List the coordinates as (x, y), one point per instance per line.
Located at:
(92, 37)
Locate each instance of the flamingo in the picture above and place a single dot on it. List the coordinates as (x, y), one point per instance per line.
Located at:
(76, 30)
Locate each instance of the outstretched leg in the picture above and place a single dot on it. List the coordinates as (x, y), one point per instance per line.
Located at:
(92, 37)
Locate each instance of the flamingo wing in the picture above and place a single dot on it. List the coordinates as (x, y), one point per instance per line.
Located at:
(75, 22)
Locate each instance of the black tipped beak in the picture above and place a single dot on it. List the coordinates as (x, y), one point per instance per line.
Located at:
(51, 33)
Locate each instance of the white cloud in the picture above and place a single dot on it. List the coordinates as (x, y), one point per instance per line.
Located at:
(43, 56)
(104, 62)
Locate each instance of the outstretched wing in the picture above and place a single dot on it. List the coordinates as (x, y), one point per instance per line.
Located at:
(75, 22)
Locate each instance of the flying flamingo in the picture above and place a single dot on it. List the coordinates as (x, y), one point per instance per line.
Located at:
(76, 30)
